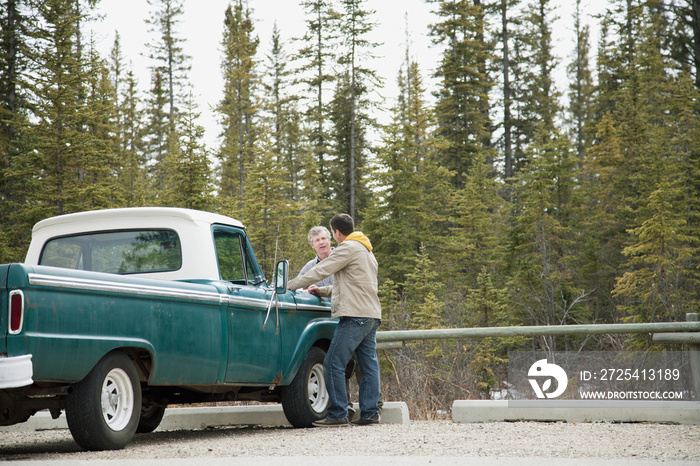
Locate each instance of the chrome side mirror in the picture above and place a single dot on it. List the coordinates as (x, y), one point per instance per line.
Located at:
(281, 277)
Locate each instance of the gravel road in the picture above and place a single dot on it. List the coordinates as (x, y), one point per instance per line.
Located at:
(652, 442)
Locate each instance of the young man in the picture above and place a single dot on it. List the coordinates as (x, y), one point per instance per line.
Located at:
(355, 301)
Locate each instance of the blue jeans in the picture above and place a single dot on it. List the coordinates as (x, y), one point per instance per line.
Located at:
(358, 335)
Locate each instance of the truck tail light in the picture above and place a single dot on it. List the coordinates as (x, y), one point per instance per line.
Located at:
(16, 311)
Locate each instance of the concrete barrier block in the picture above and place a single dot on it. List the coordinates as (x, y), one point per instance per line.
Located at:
(678, 412)
(214, 416)
(40, 421)
(394, 412)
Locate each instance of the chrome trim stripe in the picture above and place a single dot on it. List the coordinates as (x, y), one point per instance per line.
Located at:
(286, 306)
(124, 288)
(312, 307)
(107, 338)
(161, 292)
(259, 303)
(246, 302)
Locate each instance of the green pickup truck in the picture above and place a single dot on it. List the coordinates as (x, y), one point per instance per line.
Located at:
(118, 313)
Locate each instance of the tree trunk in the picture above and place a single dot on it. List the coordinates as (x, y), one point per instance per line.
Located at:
(507, 123)
(696, 40)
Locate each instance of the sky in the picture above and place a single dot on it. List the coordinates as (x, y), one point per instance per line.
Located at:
(202, 29)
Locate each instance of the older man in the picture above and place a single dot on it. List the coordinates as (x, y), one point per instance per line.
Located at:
(355, 301)
(320, 241)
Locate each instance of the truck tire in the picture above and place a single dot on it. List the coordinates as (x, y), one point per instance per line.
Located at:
(151, 415)
(305, 400)
(103, 409)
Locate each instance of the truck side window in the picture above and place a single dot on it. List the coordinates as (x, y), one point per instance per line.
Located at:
(127, 251)
(229, 255)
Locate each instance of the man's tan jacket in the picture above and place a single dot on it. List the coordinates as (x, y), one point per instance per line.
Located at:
(354, 292)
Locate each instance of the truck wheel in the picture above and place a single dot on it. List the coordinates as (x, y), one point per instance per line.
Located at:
(102, 410)
(305, 400)
(151, 415)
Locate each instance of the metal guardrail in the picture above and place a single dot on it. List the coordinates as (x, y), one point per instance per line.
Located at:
(536, 330)
(662, 332)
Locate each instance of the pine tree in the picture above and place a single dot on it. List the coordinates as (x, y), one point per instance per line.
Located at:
(637, 175)
(134, 174)
(504, 37)
(487, 306)
(655, 289)
(283, 116)
(317, 57)
(66, 148)
(190, 183)
(685, 36)
(352, 98)
(544, 282)
(461, 99)
(129, 149)
(156, 135)
(537, 98)
(412, 186)
(350, 146)
(474, 245)
(238, 107)
(620, 26)
(600, 218)
(167, 52)
(422, 289)
(613, 161)
(641, 103)
(660, 278)
(581, 89)
(267, 210)
(169, 84)
(685, 141)
(99, 165)
(290, 143)
(16, 183)
(275, 87)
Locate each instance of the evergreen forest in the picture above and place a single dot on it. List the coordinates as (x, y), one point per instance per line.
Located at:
(492, 197)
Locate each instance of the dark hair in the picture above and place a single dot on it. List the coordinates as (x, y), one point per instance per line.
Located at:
(343, 223)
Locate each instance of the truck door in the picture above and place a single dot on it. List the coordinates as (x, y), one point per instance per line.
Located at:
(254, 345)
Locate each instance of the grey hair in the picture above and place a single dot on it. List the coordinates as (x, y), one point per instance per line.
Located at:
(315, 231)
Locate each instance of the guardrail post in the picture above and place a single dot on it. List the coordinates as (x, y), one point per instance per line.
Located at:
(694, 356)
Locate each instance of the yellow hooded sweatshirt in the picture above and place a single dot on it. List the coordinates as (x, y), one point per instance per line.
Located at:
(361, 238)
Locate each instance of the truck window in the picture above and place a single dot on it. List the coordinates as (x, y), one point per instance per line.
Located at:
(128, 251)
(230, 256)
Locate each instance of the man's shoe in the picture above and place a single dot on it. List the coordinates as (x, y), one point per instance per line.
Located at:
(366, 422)
(327, 422)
